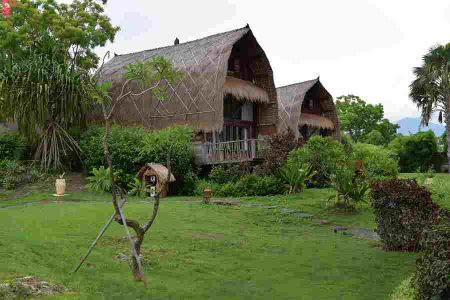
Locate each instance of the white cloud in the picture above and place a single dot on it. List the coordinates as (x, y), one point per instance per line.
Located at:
(362, 47)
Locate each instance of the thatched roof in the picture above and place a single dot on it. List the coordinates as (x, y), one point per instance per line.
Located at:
(197, 99)
(159, 169)
(291, 98)
(315, 121)
(243, 89)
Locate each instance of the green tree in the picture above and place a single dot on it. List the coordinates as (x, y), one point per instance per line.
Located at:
(78, 28)
(46, 58)
(358, 118)
(416, 151)
(375, 138)
(430, 91)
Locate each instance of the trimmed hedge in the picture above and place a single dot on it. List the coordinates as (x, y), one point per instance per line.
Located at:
(12, 146)
(249, 185)
(403, 209)
(432, 276)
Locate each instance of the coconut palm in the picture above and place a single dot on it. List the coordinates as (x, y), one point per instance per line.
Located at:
(430, 91)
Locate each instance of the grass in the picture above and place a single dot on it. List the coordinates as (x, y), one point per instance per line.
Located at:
(198, 251)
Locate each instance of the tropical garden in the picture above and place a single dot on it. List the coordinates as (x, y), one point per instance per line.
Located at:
(366, 216)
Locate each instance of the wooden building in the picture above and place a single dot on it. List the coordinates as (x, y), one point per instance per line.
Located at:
(308, 109)
(227, 94)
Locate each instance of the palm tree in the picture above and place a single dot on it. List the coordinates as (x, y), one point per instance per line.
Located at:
(430, 91)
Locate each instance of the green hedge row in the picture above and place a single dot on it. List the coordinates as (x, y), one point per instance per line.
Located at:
(132, 148)
(249, 185)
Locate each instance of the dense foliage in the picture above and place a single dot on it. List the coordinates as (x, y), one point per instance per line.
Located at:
(359, 119)
(12, 146)
(14, 174)
(403, 209)
(132, 148)
(323, 154)
(78, 28)
(249, 185)
(296, 176)
(432, 276)
(415, 152)
(351, 187)
(278, 148)
(377, 161)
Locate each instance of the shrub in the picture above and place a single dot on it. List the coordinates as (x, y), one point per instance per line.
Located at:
(403, 209)
(350, 186)
(14, 174)
(249, 185)
(253, 185)
(131, 148)
(125, 145)
(432, 276)
(377, 161)
(100, 180)
(201, 184)
(416, 151)
(404, 291)
(296, 176)
(177, 143)
(12, 146)
(324, 154)
(232, 172)
(277, 150)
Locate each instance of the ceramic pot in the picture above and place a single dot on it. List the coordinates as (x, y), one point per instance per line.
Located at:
(60, 187)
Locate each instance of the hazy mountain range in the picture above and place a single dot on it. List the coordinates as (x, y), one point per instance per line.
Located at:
(411, 125)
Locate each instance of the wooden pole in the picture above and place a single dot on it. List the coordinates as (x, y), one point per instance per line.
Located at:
(100, 234)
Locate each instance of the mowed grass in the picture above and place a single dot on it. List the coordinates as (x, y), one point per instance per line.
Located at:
(198, 251)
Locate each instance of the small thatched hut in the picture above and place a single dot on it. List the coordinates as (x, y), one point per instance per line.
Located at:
(227, 94)
(308, 109)
(155, 175)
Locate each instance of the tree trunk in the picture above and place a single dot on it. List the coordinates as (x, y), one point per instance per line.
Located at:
(134, 263)
(448, 139)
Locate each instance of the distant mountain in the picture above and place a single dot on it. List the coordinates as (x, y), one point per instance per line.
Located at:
(411, 126)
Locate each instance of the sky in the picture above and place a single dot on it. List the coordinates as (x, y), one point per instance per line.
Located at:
(362, 47)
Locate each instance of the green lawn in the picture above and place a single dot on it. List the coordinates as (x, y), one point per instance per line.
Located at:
(198, 251)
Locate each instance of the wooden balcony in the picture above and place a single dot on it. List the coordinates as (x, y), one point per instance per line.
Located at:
(228, 152)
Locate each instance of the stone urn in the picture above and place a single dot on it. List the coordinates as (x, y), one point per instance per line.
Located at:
(429, 181)
(60, 185)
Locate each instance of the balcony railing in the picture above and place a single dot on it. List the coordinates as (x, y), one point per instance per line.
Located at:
(228, 152)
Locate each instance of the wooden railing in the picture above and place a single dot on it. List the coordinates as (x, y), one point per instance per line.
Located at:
(228, 152)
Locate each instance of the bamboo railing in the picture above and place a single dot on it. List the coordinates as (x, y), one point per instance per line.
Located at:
(228, 152)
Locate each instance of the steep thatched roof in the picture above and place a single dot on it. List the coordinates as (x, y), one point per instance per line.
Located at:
(291, 98)
(197, 99)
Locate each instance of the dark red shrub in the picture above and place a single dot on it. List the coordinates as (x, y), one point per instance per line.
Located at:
(403, 209)
(277, 150)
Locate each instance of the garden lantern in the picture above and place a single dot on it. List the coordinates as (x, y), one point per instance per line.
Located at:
(207, 195)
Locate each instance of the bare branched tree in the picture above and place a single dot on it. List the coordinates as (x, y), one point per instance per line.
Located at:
(140, 78)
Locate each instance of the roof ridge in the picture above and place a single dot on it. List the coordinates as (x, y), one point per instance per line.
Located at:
(288, 85)
(188, 42)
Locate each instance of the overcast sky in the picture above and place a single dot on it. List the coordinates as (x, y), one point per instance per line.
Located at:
(362, 47)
